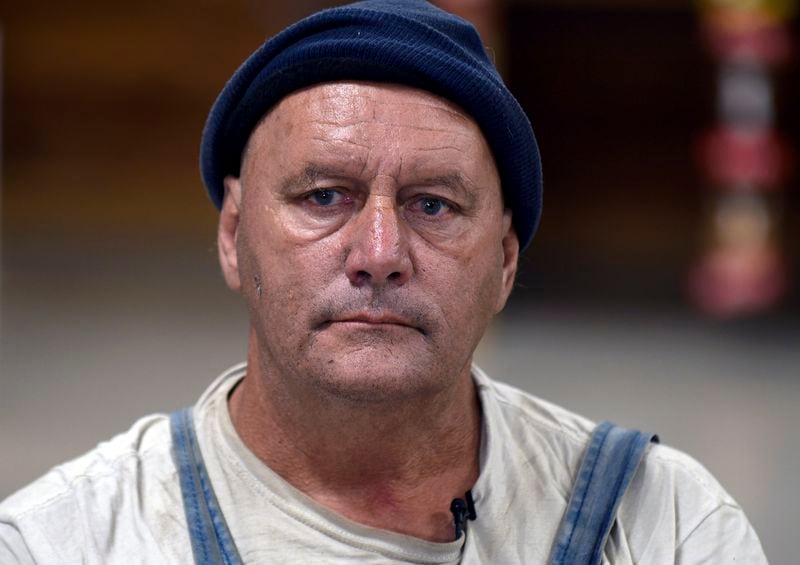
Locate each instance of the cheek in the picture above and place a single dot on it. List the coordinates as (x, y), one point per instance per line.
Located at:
(287, 282)
(292, 276)
(485, 273)
(467, 285)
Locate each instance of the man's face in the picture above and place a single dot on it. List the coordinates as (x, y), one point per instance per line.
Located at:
(368, 235)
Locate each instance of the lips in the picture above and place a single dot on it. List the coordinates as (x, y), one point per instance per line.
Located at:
(376, 319)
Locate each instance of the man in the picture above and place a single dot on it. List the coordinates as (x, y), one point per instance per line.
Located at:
(376, 181)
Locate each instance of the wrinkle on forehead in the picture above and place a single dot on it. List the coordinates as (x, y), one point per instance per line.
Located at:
(377, 120)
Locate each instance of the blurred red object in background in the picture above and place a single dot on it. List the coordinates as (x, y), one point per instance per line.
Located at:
(736, 281)
(739, 157)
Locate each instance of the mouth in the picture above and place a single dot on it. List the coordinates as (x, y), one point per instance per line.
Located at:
(372, 321)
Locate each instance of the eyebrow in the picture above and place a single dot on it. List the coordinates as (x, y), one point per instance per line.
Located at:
(455, 181)
(310, 174)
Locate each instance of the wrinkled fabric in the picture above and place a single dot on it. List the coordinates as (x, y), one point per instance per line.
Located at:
(121, 503)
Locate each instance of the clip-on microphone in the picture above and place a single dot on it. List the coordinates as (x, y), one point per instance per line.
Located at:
(462, 510)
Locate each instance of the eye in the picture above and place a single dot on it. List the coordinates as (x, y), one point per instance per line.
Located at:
(432, 206)
(326, 197)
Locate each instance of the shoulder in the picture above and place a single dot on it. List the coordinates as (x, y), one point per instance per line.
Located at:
(676, 507)
(674, 510)
(95, 501)
(111, 466)
(672, 475)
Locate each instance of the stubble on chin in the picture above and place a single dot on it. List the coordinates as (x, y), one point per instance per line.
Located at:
(373, 365)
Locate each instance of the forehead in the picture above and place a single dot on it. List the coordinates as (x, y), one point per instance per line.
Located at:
(374, 126)
(354, 101)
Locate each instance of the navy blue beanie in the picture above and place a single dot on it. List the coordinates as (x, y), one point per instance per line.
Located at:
(408, 42)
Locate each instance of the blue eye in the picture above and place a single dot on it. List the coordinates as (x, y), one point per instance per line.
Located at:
(324, 197)
(432, 206)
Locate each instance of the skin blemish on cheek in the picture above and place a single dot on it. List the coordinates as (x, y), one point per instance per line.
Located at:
(257, 283)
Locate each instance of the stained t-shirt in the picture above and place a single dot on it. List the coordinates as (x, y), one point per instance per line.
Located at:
(121, 502)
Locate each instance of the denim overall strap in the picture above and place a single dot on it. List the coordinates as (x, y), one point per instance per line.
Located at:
(212, 543)
(609, 464)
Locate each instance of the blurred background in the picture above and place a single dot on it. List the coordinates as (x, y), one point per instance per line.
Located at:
(661, 290)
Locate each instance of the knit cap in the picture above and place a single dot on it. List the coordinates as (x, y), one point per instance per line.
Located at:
(409, 42)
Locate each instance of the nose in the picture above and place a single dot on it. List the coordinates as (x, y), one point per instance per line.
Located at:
(378, 253)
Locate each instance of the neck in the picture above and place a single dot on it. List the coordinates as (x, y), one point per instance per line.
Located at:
(393, 465)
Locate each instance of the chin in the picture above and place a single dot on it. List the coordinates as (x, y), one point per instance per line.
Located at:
(377, 379)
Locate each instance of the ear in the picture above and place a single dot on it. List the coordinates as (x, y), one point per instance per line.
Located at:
(510, 259)
(228, 230)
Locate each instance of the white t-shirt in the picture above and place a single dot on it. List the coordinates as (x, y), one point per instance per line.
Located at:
(121, 502)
